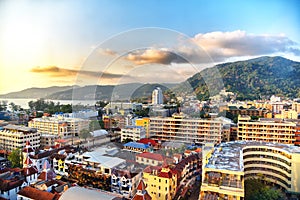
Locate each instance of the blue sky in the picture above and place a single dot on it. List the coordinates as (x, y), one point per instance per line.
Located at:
(60, 35)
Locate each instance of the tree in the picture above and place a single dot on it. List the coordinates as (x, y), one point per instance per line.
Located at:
(14, 107)
(94, 125)
(84, 133)
(126, 140)
(255, 189)
(3, 105)
(15, 157)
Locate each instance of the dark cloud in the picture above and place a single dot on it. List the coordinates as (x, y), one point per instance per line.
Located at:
(160, 56)
(55, 71)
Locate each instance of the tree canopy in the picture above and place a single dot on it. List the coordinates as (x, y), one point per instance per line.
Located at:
(255, 189)
(15, 157)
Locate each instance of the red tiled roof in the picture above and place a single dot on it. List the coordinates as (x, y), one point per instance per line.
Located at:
(147, 141)
(49, 175)
(153, 156)
(7, 185)
(141, 185)
(28, 149)
(28, 161)
(34, 193)
(58, 156)
(145, 196)
(29, 171)
(150, 169)
(165, 174)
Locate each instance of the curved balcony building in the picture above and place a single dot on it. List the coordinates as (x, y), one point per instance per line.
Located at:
(226, 166)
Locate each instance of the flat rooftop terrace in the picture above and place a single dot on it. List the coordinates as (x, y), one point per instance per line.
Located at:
(229, 155)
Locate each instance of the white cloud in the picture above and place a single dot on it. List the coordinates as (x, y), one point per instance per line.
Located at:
(223, 45)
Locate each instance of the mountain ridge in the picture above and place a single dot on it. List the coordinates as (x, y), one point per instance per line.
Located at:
(255, 78)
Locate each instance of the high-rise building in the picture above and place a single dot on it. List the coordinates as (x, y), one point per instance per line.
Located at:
(178, 128)
(269, 130)
(12, 137)
(157, 96)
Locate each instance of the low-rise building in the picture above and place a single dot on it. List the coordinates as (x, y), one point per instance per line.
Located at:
(136, 147)
(59, 126)
(179, 128)
(13, 137)
(152, 159)
(269, 130)
(125, 179)
(30, 193)
(161, 182)
(133, 133)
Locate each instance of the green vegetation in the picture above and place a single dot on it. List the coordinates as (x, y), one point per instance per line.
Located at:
(251, 79)
(84, 134)
(49, 106)
(256, 190)
(15, 157)
(142, 113)
(3, 105)
(127, 140)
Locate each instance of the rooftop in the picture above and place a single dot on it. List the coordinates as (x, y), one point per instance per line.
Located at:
(229, 155)
(19, 128)
(33, 193)
(91, 194)
(136, 145)
(106, 161)
(153, 156)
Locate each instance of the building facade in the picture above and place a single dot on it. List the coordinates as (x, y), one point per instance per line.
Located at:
(13, 137)
(133, 133)
(186, 130)
(225, 167)
(268, 130)
(59, 126)
(157, 96)
(161, 182)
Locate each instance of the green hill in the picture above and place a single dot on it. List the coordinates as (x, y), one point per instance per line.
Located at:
(252, 79)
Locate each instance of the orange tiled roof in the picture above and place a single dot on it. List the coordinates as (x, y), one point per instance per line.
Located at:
(34, 193)
(7, 185)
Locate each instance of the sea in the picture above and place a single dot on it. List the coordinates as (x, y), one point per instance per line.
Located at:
(24, 102)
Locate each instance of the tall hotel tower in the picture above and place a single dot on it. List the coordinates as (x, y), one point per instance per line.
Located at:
(157, 96)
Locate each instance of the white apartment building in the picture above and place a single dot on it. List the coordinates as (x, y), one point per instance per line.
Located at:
(13, 136)
(178, 128)
(157, 96)
(59, 126)
(134, 133)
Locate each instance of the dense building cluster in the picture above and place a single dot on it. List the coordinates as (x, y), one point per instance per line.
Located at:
(159, 156)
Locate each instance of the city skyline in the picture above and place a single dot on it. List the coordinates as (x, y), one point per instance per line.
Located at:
(47, 43)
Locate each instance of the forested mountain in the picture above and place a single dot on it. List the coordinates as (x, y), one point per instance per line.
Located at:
(252, 79)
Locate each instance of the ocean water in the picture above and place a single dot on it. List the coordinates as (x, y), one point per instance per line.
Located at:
(24, 102)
